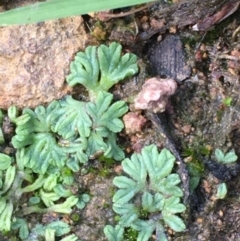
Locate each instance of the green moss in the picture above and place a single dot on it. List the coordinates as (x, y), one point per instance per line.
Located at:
(130, 234)
(75, 217)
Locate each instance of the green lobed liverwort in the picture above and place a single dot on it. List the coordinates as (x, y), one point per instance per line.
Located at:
(54, 142)
(148, 198)
(49, 231)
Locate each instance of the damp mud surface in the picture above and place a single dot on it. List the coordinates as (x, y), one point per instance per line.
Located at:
(203, 114)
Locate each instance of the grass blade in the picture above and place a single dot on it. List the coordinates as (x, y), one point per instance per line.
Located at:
(54, 9)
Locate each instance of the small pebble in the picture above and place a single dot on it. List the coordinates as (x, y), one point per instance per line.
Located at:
(186, 129)
(199, 220)
(219, 222)
(220, 213)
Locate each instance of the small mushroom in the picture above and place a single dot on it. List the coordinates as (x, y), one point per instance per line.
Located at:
(154, 94)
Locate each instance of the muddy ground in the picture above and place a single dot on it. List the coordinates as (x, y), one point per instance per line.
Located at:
(203, 115)
(199, 119)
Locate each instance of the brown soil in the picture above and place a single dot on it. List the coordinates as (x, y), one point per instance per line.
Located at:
(199, 119)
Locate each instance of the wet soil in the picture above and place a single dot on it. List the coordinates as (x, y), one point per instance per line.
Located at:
(199, 118)
(202, 120)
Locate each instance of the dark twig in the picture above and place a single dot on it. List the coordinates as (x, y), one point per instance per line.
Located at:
(159, 124)
(106, 16)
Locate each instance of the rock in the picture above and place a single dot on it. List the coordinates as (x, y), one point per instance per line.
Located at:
(35, 58)
(133, 122)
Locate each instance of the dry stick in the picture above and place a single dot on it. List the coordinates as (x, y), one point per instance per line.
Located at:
(228, 57)
(158, 123)
(235, 33)
(107, 16)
